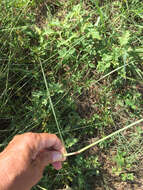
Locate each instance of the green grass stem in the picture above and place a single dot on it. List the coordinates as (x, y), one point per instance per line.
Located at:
(50, 101)
(103, 139)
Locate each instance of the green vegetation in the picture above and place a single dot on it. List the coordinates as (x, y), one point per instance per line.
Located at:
(83, 59)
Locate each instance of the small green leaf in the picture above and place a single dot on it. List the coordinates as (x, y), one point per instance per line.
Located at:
(91, 65)
(94, 33)
(103, 66)
(124, 39)
(44, 101)
(70, 142)
(62, 52)
(38, 30)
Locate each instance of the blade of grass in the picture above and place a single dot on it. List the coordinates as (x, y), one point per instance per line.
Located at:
(109, 73)
(50, 101)
(41, 187)
(103, 139)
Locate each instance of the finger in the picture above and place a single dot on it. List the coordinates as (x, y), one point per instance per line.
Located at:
(45, 158)
(42, 141)
(49, 157)
(57, 165)
(46, 140)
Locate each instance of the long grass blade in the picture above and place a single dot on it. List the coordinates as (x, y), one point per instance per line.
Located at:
(50, 101)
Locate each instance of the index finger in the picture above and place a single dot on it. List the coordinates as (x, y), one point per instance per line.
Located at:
(43, 141)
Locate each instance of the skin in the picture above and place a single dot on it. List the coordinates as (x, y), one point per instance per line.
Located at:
(23, 161)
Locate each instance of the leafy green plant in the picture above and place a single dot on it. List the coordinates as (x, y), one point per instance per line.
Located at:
(128, 176)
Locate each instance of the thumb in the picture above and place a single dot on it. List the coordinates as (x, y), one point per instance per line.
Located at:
(49, 157)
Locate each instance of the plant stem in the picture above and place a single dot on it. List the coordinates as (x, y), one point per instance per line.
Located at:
(103, 139)
(50, 101)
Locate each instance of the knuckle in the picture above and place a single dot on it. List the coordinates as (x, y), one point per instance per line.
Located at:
(26, 136)
(25, 139)
(57, 140)
(30, 136)
(54, 136)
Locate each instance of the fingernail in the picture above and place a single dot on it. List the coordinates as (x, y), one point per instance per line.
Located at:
(57, 156)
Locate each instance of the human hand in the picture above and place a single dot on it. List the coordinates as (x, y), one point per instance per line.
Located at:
(22, 162)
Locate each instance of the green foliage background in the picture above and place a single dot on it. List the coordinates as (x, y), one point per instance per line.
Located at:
(92, 55)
